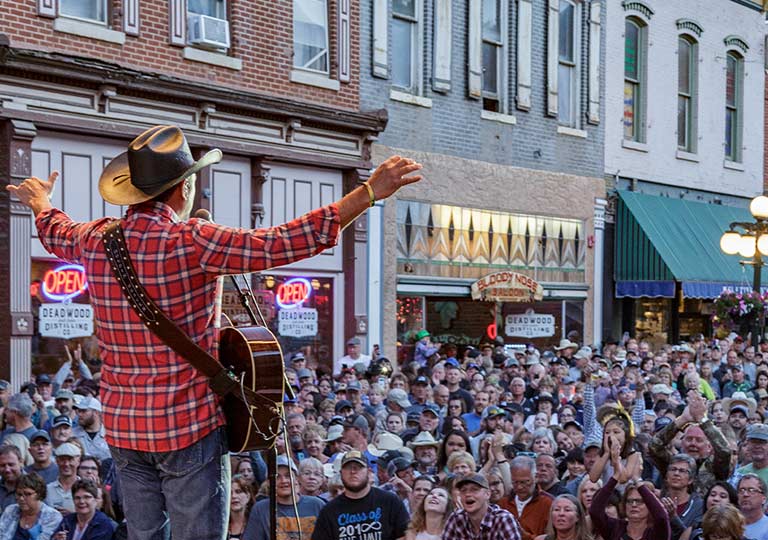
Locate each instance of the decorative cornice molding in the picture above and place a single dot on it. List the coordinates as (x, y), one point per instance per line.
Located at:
(736, 42)
(640, 7)
(691, 26)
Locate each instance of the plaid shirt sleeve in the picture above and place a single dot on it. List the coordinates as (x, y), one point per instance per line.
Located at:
(504, 525)
(62, 236)
(453, 527)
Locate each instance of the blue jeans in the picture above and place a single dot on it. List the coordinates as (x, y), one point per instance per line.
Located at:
(188, 488)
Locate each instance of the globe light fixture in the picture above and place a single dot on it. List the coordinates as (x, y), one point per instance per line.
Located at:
(748, 246)
(762, 244)
(759, 207)
(730, 242)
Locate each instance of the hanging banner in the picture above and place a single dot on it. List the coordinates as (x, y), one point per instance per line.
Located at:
(507, 287)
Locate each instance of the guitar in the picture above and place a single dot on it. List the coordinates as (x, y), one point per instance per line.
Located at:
(254, 357)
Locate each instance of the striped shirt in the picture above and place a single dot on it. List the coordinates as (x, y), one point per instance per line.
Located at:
(155, 401)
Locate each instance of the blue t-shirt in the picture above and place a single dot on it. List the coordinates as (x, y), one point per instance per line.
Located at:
(473, 421)
(258, 527)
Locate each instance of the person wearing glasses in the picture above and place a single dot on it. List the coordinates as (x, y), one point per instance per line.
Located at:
(86, 522)
(685, 507)
(645, 516)
(30, 515)
(527, 502)
(751, 492)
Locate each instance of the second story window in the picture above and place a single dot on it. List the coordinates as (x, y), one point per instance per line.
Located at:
(567, 74)
(734, 88)
(310, 35)
(634, 84)
(207, 24)
(89, 10)
(686, 94)
(211, 8)
(493, 55)
(405, 56)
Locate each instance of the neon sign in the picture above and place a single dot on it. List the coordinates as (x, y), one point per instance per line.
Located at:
(293, 293)
(64, 282)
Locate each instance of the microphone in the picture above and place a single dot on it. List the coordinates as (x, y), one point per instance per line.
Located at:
(202, 213)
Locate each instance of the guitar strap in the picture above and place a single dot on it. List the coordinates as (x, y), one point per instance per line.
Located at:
(222, 381)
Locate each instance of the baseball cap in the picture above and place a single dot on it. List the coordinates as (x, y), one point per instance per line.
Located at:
(399, 396)
(335, 433)
(758, 432)
(284, 461)
(354, 456)
(343, 404)
(40, 434)
(303, 372)
(357, 421)
(42, 379)
(511, 362)
(490, 412)
(298, 357)
(573, 423)
(476, 478)
(430, 408)
(740, 408)
(594, 443)
(68, 449)
(62, 420)
(398, 464)
(452, 363)
(421, 379)
(513, 407)
(4, 384)
(353, 341)
(88, 402)
(64, 394)
(661, 389)
(661, 422)
(547, 355)
(353, 386)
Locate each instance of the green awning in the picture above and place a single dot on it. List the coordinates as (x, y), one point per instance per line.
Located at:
(660, 240)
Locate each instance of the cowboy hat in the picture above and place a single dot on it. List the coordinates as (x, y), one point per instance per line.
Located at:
(739, 400)
(424, 438)
(566, 344)
(385, 441)
(156, 160)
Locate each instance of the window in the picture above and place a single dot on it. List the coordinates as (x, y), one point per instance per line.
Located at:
(687, 54)
(634, 85)
(310, 35)
(493, 55)
(567, 74)
(211, 8)
(90, 10)
(405, 41)
(734, 83)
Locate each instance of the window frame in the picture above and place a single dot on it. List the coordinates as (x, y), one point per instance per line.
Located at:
(222, 3)
(692, 97)
(416, 53)
(574, 66)
(501, 59)
(640, 83)
(327, 72)
(105, 7)
(736, 154)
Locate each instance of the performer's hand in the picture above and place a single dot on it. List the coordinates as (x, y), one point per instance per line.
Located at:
(391, 176)
(35, 193)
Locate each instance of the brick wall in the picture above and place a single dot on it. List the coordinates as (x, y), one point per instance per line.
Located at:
(454, 126)
(262, 37)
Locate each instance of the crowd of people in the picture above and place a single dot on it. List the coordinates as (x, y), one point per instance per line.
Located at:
(623, 443)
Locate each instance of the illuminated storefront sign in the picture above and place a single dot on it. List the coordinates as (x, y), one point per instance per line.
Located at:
(293, 293)
(64, 282)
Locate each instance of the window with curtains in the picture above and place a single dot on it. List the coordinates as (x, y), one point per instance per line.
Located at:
(310, 35)
(212, 8)
(493, 22)
(687, 58)
(89, 10)
(405, 44)
(568, 57)
(734, 88)
(635, 33)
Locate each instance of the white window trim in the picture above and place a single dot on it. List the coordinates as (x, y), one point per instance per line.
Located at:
(327, 44)
(736, 163)
(693, 124)
(220, 59)
(104, 23)
(634, 145)
(686, 156)
(571, 131)
(314, 78)
(503, 59)
(417, 54)
(641, 126)
(88, 29)
(498, 117)
(576, 81)
(411, 99)
(223, 16)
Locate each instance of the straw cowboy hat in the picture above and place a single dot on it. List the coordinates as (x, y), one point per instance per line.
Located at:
(739, 400)
(566, 344)
(156, 160)
(385, 441)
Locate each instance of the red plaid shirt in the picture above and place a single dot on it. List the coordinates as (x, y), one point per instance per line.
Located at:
(154, 401)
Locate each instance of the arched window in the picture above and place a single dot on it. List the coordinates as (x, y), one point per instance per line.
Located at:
(635, 40)
(734, 91)
(687, 59)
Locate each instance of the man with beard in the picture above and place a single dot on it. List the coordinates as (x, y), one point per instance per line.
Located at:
(60, 491)
(10, 471)
(362, 511)
(477, 517)
(65, 401)
(546, 475)
(61, 430)
(41, 450)
(288, 523)
(425, 449)
(453, 378)
(89, 429)
(295, 424)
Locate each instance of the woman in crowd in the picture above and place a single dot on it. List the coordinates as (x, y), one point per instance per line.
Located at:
(645, 518)
(241, 501)
(453, 441)
(428, 519)
(245, 469)
(567, 520)
(89, 470)
(585, 493)
(87, 521)
(395, 423)
(543, 442)
(30, 517)
(461, 464)
(311, 477)
(723, 522)
(719, 494)
(422, 485)
(761, 382)
(314, 442)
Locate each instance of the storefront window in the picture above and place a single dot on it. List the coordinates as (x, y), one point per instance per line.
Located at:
(298, 310)
(652, 319)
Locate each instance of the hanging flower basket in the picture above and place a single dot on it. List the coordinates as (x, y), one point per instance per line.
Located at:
(736, 312)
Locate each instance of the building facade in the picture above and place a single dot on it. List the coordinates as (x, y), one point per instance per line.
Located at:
(502, 103)
(683, 155)
(274, 84)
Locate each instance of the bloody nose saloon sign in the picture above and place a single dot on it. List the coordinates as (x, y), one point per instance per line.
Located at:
(507, 287)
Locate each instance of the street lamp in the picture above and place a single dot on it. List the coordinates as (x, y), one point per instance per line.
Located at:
(750, 243)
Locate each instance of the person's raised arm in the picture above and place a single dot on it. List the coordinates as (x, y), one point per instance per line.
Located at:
(35, 193)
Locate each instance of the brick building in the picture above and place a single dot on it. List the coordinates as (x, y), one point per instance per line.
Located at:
(276, 89)
(502, 102)
(684, 154)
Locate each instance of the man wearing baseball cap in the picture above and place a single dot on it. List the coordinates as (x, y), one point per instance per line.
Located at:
(478, 518)
(89, 429)
(41, 449)
(757, 446)
(362, 508)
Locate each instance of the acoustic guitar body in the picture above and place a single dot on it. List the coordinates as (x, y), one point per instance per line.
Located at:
(253, 355)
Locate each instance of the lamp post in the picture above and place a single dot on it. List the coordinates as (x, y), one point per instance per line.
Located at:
(750, 240)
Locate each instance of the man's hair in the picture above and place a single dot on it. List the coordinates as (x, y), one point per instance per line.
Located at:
(21, 404)
(10, 449)
(524, 462)
(752, 476)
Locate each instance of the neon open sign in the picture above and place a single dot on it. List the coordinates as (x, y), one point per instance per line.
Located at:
(293, 293)
(64, 282)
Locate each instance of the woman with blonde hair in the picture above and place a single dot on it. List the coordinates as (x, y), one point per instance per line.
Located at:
(428, 520)
(567, 520)
(585, 493)
(314, 441)
(723, 522)
(461, 464)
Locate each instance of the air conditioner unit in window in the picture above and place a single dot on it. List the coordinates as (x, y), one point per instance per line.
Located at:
(207, 31)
